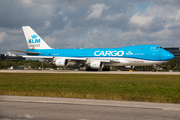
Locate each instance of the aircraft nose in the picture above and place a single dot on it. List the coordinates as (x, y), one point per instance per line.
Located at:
(165, 55)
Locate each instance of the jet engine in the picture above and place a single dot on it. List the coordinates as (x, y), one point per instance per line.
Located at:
(61, 62)
(96, 65)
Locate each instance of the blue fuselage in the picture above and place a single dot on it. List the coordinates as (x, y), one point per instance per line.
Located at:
(145, 52)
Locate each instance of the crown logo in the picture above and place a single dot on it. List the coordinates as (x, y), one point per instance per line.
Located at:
(34, 36)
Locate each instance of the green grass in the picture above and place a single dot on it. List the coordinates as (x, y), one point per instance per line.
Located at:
(150, 88)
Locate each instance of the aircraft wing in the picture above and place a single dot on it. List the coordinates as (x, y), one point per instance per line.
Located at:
(49, 57)
(79, 59)
(71, 58)
(110, 60)
(41, 57)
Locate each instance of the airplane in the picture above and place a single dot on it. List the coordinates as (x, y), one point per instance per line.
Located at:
(94, 58)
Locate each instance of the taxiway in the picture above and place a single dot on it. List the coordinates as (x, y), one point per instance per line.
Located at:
(23, 107)
(89, 72)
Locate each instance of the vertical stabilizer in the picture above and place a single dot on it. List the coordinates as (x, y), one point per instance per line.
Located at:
(34, 41)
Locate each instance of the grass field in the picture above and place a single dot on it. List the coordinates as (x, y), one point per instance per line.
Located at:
(150, 88)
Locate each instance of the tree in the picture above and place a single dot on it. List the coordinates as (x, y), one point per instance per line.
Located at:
(173, 64)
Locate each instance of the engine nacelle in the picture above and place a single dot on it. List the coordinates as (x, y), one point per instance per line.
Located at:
(61, 62)
(96, 65)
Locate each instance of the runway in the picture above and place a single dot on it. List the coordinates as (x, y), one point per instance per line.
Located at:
(23, 107)
(89, 72)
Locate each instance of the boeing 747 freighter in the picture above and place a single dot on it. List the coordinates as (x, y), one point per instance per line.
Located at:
(94, 58)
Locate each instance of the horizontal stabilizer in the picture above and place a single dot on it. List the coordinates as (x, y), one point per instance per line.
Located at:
(32, 53)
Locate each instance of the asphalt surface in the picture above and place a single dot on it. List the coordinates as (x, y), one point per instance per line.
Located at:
(89, 72)
(46, 108)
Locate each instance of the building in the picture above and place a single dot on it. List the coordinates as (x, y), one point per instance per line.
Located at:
(8, 57)
(175, 51)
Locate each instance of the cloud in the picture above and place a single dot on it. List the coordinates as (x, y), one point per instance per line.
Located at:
(2, 36)
(151, 20)
(90, 24)
(65, 19)
(68, 37)
(27, 2)
(18, 13)
(113, 17)
(47, 24)
(167, 1)
(141, 20)
(96, 11)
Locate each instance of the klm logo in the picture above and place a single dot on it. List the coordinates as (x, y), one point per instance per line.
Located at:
(34, 39)
(129, 53)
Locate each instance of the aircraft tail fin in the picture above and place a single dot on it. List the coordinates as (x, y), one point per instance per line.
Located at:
(34, 41)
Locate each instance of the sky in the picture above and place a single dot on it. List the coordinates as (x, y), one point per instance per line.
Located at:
(90, 23)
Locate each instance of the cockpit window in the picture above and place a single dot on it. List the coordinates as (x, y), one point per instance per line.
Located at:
(159, 47)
